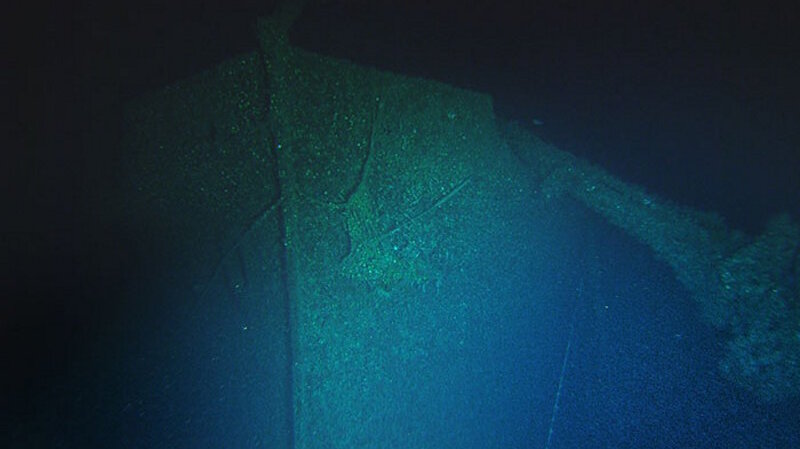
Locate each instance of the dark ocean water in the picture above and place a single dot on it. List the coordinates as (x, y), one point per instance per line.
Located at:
(697, 104)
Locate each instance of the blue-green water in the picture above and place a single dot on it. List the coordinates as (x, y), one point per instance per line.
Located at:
(111, 347)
